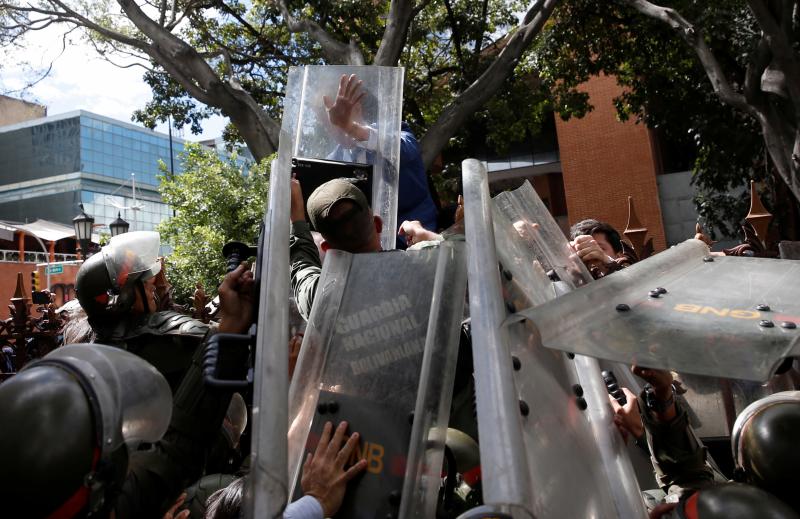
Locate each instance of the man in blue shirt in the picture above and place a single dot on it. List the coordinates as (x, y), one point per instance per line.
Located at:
(414, 201)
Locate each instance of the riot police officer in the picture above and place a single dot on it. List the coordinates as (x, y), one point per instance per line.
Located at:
(115, 287)
(69, 420)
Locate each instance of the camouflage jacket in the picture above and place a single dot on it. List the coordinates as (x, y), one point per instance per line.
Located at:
(679, 457)
(305, 266)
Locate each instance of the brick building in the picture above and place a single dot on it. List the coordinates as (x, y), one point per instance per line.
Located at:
(587, 168)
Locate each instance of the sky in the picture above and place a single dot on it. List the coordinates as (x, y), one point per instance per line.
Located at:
(81, 80)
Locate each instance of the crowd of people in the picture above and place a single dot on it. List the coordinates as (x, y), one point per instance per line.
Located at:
(120, 423)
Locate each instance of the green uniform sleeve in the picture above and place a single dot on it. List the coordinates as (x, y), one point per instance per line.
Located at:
(678, 455)
(305, 266)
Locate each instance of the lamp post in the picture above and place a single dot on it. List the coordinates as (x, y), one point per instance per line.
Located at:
(118, 226)
(83, 230)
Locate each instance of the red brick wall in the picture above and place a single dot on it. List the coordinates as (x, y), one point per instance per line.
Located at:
(604, 160)
(8, 283)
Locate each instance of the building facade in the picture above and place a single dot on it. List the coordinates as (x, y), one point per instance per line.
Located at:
(50, 165)
(588, 167)
(16, 110)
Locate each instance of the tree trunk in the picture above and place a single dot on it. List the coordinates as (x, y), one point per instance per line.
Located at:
(780, 126)
(781, 144)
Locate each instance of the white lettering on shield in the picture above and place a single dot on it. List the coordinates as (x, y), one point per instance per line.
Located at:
(384, 358)
(369, 316)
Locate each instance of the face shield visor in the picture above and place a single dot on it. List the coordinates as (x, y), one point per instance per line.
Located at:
(131, 400)
(132, 256)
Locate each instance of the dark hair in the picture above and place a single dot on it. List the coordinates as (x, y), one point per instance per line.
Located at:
(226, 503)
(590, 226)
(349, 227)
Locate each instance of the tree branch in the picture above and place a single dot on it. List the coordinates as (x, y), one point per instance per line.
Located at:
(194, 74)
(401, 13)
(695, 40)
(782, 51)
(456, 37)
(783, 145)
(334, 51)
(478, 40)
(68, 15)
(755, 69)
(487, 85)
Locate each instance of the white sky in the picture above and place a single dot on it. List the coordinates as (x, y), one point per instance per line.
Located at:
(81, 79)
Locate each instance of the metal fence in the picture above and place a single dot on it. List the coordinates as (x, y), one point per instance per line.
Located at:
(12, 256)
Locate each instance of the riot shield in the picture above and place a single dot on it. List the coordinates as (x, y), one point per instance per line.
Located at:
(681, 309)
(307, 128)
(379, 352)
(554, 419)
(306, 134)
(543, 243)
(266, 493)
(539, 232)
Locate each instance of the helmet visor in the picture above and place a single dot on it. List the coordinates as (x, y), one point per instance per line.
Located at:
(131, 256)
(133, 398)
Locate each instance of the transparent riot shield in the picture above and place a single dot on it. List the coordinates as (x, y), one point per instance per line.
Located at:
(266, 493)
(551, 409)
(683, 310)
(306, 133)
(379, 352)
(311, 135)
(540, 233)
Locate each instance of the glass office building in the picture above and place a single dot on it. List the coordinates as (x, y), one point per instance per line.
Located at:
(49, 166)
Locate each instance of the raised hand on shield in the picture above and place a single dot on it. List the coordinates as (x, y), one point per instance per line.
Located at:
(345, 111)
(324, 475)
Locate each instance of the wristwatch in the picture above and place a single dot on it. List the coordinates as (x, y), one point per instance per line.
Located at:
(656, 405)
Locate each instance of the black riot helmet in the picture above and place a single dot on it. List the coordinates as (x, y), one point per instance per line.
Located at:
(733, 501)
(67, 420)
(107, 282)
(765, 449)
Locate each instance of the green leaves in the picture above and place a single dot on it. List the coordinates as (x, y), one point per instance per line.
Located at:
(445, 51)
(216, 200)
(665, 87)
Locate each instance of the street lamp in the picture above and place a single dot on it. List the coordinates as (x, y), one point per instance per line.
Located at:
(83, 230)
(118, 226)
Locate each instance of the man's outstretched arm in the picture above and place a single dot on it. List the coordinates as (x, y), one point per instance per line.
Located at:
(304, 263)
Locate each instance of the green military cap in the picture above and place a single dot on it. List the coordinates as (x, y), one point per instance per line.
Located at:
(328, 195)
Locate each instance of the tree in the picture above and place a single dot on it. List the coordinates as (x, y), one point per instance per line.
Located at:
(12, 27)
(215, 200)
(230, 55)
(769, 90)
(667, 87)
